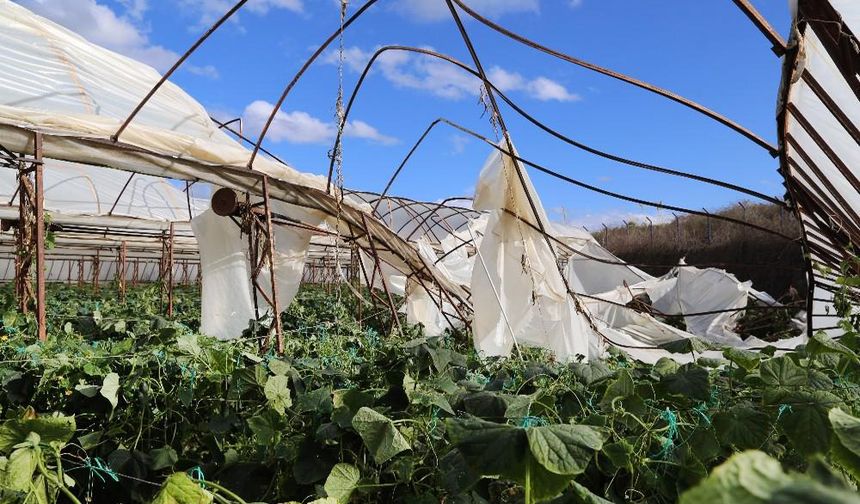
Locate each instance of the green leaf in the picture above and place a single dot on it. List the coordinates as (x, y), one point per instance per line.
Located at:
(750, 477)
(582, 495)
(346, 403)
(564, 449)
(808, 491)
(690, 381)
(379, 434)
(665, 366)
(622, 387)
(822, 343)
(19, 469)
(592, 372)
(277, 391)
(847, 429)
(746, 359)
(341, 482)
(162, 458)
(687, 345)
(742, 427)
(316, 401)
(491, 448)
(51, 429)
(110, 389)
(189, 344)
(806, 424)
(279, 367)
(845, 445)
(782, 372)
(179, 488)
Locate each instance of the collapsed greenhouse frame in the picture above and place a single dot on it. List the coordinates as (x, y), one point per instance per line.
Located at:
(338, 219)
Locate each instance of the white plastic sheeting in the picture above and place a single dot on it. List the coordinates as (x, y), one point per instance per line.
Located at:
(821, 117)
(85, 190)
(77, 93)
(518, 294)
(227, 297)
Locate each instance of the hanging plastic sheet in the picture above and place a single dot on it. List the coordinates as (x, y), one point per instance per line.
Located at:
(518, 294)
(226, 299)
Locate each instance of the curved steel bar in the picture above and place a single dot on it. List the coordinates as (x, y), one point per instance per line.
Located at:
(176, 65)
(298, 76)
(624, 78)
(610, 193)
(531, 119)
(246, 139)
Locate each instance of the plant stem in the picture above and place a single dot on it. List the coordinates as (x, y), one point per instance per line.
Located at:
(60, 484)
(528, 485)
(223, 490)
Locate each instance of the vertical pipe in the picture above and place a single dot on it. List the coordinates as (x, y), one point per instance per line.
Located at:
(378, 266)
(270, 251)
(120, 270)
(41, 315)
(169, 271)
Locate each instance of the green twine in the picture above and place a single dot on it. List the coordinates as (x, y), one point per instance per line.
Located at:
(701, 409)
(668, 445)
(434, 418)
(531, 421)
(782, 409)
(196, 473)
(97, 467)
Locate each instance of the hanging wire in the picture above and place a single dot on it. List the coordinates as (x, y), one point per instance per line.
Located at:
(337, 157)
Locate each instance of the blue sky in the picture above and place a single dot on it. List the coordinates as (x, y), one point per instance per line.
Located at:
(705, 50)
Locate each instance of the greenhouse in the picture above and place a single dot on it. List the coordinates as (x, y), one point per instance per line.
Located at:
(191, 319)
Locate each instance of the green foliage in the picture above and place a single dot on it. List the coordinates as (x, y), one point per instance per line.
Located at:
(152, 411)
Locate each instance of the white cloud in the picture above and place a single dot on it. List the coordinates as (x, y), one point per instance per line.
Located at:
(540, 88)
(302, 128)
(436, 10)
(204, 71)
(575, 3)
(135, 9)
(458, 144)
(360, 129)
(209, 11)
(545, 89)
(415, 71)
(611, 218)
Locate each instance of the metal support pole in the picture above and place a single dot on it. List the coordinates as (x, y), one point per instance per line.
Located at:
(651, 229)
(378, 266)
(270, 253)
(709, 225)
(167, 269)
(120, 270)
(97, 269)
(41, 315)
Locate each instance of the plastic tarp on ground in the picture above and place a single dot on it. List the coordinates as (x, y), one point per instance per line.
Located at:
(518, 293)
